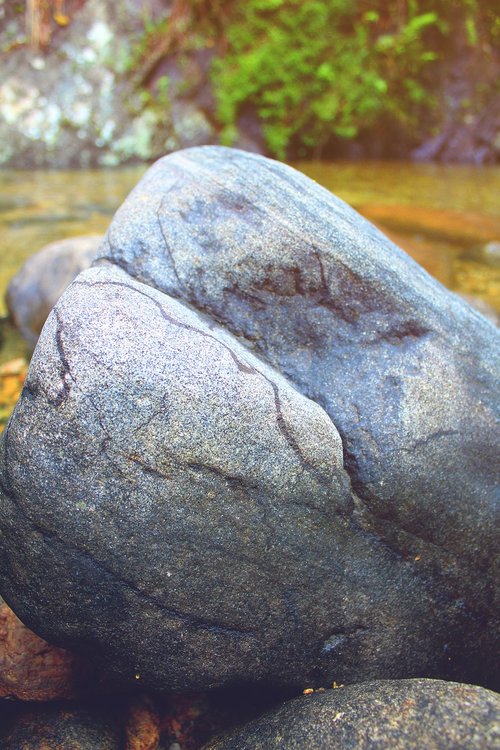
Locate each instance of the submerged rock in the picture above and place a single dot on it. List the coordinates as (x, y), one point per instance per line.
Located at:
(35, 289)
(401, 715)
(188, 515)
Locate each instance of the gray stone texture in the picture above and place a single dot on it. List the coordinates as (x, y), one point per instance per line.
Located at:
(400, 715)
(37, 286)
(406, 371)
(60, 726)
(174, 506)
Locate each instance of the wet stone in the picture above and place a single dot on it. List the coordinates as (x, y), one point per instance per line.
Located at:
(401, 715)
(37, 286)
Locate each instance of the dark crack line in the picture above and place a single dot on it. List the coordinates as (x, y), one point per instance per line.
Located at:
(252, 491)
(169, 251)
(138, 461)
(65, 371)
(242, 366)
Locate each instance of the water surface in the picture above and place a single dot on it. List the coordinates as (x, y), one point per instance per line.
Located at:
(442, 215)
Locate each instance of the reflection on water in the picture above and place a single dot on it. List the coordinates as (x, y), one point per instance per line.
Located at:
(448, 187)
(39, 207)
(440, 214)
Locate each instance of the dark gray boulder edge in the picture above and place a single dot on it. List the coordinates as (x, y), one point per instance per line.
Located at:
(399, 714)
(61, 726)
(174, 506)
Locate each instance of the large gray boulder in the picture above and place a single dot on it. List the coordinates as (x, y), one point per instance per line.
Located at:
(174, 506)
(37, 286)
(399, 714)
(190, 521)
(407, 372)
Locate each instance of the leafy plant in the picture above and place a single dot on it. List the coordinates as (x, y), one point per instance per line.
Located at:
(315, 69)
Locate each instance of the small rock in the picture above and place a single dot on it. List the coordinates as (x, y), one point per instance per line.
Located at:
(489, 253)
(31, 669)
(401, 715)
(142, 731)
(35, 289)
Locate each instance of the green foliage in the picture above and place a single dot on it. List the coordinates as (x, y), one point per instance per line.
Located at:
(313, 69)
(332, 67)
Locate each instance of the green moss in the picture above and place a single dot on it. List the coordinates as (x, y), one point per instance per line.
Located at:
(333, 67)
(317, 69)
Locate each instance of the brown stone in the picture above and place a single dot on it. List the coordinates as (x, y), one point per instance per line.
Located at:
(143, 725)
(30, 668)
(463, 228)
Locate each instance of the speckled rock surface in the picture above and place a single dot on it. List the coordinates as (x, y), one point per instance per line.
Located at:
(408, 373)
(401, 715)
(195, 519)
(190, 521)
(35, 289)
(60, 727)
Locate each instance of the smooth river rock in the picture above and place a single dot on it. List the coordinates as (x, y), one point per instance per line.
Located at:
(37, 286)
(190, 521)
(399, 714)
(293, 485)
(408, 373)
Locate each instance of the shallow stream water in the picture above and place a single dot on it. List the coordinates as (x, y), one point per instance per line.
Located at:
(442, 215)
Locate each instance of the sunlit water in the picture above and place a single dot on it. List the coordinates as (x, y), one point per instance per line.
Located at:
(42, 206)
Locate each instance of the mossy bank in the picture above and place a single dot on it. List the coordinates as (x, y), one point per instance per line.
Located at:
(118, 82)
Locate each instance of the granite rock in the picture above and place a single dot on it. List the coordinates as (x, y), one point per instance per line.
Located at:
(190, 522)
(182, 488)
(399, 714)
(284, 476)
(408, 373)
(35, 289)
(61, 727)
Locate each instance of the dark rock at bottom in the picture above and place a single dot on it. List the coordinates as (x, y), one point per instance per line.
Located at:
(60, 726)
(396, 714)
